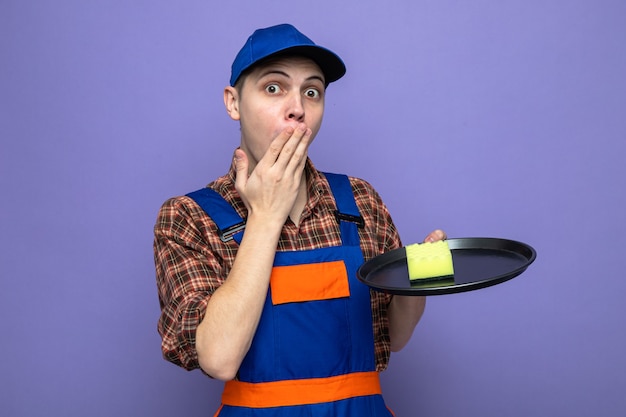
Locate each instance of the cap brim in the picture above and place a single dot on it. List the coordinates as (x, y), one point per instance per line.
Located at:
(331, 65)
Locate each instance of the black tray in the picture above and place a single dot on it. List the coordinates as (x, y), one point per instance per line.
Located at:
(478, 263)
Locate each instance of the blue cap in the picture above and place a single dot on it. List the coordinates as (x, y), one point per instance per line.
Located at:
(285, 38)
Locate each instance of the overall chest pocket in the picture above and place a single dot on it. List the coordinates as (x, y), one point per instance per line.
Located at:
(309, 282)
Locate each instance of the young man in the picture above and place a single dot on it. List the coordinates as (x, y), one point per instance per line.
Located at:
(257, 272)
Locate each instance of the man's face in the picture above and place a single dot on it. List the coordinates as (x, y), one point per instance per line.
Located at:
(278, 94)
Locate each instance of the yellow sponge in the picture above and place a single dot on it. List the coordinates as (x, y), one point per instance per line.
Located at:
(431, 260)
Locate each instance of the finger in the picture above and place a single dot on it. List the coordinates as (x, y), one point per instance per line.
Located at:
(276, 147)
(436, 235)
(294, 150)
(240, 161)
(298, 158)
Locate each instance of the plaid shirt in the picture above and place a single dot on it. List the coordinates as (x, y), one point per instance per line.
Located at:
(192, 262)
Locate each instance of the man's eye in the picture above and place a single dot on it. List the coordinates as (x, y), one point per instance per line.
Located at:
(312, 93)
(272, 88)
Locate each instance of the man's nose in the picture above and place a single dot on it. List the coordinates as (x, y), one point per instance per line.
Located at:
(295, 108)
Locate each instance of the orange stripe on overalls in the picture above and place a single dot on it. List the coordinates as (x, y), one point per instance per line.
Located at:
(301, 391)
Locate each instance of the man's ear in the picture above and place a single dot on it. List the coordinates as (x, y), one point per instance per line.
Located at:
(231, 101)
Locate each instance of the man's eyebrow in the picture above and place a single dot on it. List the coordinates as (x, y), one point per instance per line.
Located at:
(317, 77)
(273, 71)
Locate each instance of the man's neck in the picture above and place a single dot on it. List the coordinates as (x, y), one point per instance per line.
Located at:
(300, 203)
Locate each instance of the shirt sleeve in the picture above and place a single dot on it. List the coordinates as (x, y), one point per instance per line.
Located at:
(188, 272)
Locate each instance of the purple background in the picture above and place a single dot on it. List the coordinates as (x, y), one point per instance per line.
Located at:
(484, 118)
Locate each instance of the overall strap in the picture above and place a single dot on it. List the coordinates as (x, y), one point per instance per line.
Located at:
(347, 213)
(230, 224)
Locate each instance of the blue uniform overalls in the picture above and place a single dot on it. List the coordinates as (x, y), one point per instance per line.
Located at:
(313, 351)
